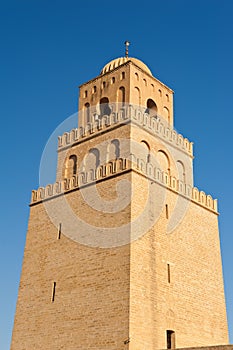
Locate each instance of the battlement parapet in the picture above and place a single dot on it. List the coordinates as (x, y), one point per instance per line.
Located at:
(118, 166)
(130, 113)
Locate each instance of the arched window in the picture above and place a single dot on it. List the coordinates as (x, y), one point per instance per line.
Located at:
(122, 75)
(163, 161)
(166, 114)
(167, 97)
(146, 151)
(145, 82)
(137, 93)
(160, 93)
(113, 80)
(71, 166)
(104, 84)
(85, 94)
(113, 150)
(73, 160)
(137, 76)
(181, 170)
(96, 153)
(151, 107)
(121, 96)
(153, 87)
(104, 106)
(87, 115)
(92, 159)
(94, 89)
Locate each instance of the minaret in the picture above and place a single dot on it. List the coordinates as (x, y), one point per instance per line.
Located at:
(122, 252)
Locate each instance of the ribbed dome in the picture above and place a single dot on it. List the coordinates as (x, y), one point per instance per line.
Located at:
(121, 60)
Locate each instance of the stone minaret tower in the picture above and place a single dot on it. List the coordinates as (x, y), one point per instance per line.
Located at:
(122, 252)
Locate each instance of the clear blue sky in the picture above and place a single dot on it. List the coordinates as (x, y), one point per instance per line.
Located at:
(48, 48)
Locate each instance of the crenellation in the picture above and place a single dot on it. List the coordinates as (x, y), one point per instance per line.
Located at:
(142, 119)
(116, 167)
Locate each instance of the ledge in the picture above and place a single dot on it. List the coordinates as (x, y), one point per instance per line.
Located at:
(118, 166)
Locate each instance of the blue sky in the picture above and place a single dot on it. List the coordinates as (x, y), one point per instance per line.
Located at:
(49, 48)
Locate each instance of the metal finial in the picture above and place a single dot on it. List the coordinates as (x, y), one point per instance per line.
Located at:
(127, 43)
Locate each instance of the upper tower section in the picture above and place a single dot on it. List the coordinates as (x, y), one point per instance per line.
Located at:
(122, 81)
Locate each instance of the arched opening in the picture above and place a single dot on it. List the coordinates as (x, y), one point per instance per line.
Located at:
(92, 159)
(87, 115)
(121, 96)
(71, 166)
(181, 170)
(137, 76)
(137, 94)
(104, 106)
(151, 107)
(163, 161)
(146, 151)
(171, 344)
(113, 150)
(166, 114)
(122, 75)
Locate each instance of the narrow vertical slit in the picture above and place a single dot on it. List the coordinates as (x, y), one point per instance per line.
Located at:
(53, 292)
(59, 232)
(167, 213)
(168, 273)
